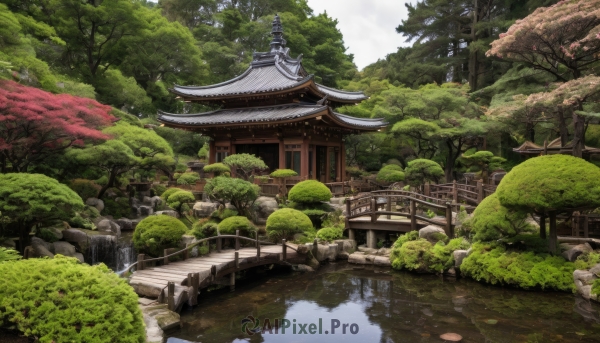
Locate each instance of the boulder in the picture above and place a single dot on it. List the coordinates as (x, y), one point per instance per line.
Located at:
(95, 202)
(103, 225)
(432, 233)
(572, 254)
(147, 201)
(459, 256)
(41, 248)
(357, 258)
(76, 236)
(64, 248)
(303, 268)
(595, 270)
(265, 206)
(204, 209)
(145, 210)
(115, 228)
(383, 261)
(79, 256)
(56, 232)
(8, 243)
(384, 252)
(125, 224)
(155, 201)
(188, 240)
(366, 250)
(324, 251)
(584, 276)
(134, 223)
(345, 248)
(171, 213)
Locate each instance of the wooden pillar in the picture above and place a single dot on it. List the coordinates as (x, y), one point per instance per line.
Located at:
(371, 239)
(543, 226)
(426, 189)
(413, 219)
(327, 165)
(140, 262)
(586, 226)
(166, 259)
(479, 191)
(212, 152)
(449, 226)
(314, 162)
(388, 207)
(281, 154)
(552, 240)
(351, 234)
(343, 161)
(237, 260)
(237, 240)
(348, 211)
(218, 244)
(232, 282)
(454, 192)
(283, 250)
(373, 210)
(304, 159)
(171, 296)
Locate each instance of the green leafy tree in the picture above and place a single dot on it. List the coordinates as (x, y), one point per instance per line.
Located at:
(390, 173)
(485, 161)
(240, 193)
(31, 199)
(203, 152)
(245, 164)
(188, 178)
(179, 200)
(218, 169)
(420, 171)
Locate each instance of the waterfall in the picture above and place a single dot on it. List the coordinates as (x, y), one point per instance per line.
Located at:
(116, 253)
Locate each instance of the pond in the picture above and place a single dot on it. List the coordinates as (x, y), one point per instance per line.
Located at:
(369, 304)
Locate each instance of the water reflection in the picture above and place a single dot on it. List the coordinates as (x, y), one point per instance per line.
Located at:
(388, 306)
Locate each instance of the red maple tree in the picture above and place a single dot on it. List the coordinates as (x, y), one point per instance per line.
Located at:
(35, 124)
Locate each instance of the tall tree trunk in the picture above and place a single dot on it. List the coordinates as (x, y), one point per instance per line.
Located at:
(23, 236)
(578, 135)
(110, 183)
(562, 126)
(473, 62)
(449, 167)
(529, 128)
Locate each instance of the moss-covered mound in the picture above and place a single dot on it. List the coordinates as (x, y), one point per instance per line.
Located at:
(61, 300)
(285, 222)
(493, 263)
(551, 182)
(281, 173)
(231, 224)
(390, 173)
(492, 221)
(330, 234)
(417, 254)
(156, 233)
(309, 191)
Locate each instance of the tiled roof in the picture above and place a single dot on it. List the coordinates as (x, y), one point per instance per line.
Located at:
(340, 94)
(267, 114)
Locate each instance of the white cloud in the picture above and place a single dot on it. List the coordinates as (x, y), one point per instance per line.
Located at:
(369, 27)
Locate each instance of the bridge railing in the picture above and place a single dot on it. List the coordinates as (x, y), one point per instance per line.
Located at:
(469, 194)
(380, 203)
(142, 260)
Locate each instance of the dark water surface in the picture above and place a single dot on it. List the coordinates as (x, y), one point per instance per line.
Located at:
(386, 306)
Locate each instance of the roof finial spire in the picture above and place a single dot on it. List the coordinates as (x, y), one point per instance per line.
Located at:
(278, 42)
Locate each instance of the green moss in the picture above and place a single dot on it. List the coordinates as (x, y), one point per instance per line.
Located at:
(330, 234)
(281, 173)
(390, 173)
(492, 221)
(309, 191)
(231, 224)
(285, 222)
(587, 260)
(493, 263)
(551, 182)
(61, 300)
(156, 233)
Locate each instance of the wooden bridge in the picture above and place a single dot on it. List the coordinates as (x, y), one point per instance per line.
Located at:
(178, 282)
(404, 211)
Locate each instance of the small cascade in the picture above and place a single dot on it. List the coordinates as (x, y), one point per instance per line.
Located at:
(115, 252)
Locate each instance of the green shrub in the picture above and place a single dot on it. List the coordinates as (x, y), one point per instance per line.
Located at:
(596, 287)
(179, 200)
(156, 233)
(189, 178)
(85, 188)
(417, 254)
(283, 173)
(176, 176)
(217, 168)
(7, 254)
(202, 230)
(390, 173)
(158, 189)
(492, 263)
(244, 164)
(163, 178)
(46, 235)
(61, 300)
(203, 152)
(587, 260)
(316, 216)
(224, 213)
(240, 193)
(421, 171)
(231, 224)
(492, 221)
(309, 191)
(79, 222)
(330, 234)
(285, 222)
(118, 208)
(166, 194)
(262, 179)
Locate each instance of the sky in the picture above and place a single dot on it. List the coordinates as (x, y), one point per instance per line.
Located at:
(368, 26)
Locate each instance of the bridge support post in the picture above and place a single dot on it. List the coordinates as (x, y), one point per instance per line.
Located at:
(232, 282)
(166, 259)
(479, 191)
(454, 192)
(213, 272)
(237, 260)
(351, 234)
(193, 282)
(348, 210)
(283, 250)
(237, 240)
(140, 262)
(389, 207)
(371, 239)
(373, 210)
(413, 213)
(315, 248)
(449, 227)
(171, 296)
(257, 248)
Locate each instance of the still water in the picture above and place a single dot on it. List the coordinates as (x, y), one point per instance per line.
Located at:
(345, 303)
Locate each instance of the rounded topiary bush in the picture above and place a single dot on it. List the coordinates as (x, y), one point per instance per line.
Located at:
(330, 233)
(492, 221)
(217, 169)
(286, 222)
(229, 225)
(309, 191)
(189, 178)
(551, 182)
(282, 173)
(166, 194)
(61, 300)
(156, 233)
(390, 173)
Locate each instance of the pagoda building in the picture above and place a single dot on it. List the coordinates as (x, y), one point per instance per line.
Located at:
(275, 110)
